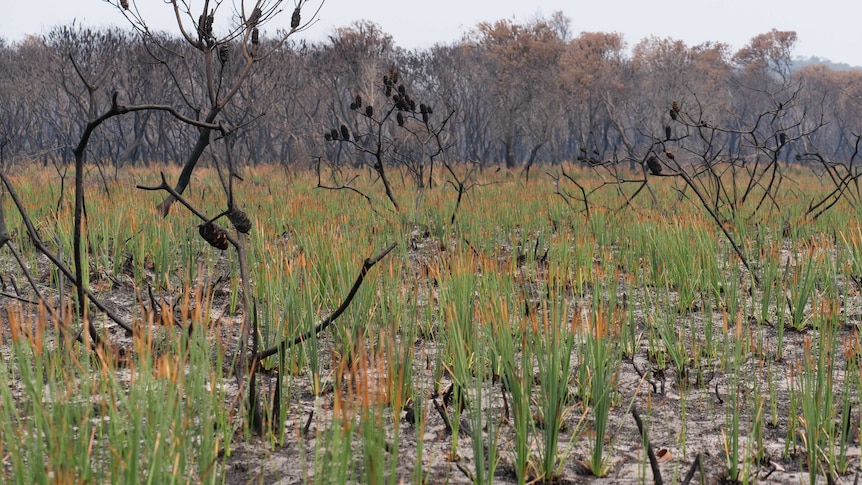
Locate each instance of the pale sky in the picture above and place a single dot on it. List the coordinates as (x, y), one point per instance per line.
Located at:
(826, 28)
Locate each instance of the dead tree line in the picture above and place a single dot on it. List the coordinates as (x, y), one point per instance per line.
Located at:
(522, 93)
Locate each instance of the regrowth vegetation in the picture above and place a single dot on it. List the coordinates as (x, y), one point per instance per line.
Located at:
(533, 333)
(681, 300)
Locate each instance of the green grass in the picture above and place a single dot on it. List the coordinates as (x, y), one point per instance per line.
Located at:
(537, 315)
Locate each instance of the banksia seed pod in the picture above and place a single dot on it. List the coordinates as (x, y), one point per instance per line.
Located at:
(223, 53)
(333, 133)
(295, 19)
(202, 26)
(240, 220)
(369, 111)
(401, 102)
(358, 101)
(255, 36)
(345, 134)
(213, 235)
(400, 118)
(653, 165)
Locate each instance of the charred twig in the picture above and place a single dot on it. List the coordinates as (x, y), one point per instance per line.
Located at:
(308, 423)
(653, 462)
(326, 322)
(442, 412)
(694, 467)
(344, 186)
(643, 376)
(255, 415)
(467, 473)
(19, 298)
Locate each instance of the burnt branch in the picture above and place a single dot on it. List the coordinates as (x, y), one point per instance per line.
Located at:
(326, 322)
(40, 246)
(653, 462)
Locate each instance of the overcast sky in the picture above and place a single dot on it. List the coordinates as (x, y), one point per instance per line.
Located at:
(827, 28)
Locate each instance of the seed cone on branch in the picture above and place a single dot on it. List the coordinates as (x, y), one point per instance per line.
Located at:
(345, 134)
(240, 220)
(653, 165)
(204, 31)
(223, 53)
(358, 101)
(213, 235)
(670, 155)
(333, 133)
(675, 107)
(667, 132)
(369, 111)
(402, 102)
(124, 4)
(296, 18)
(400, 118)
